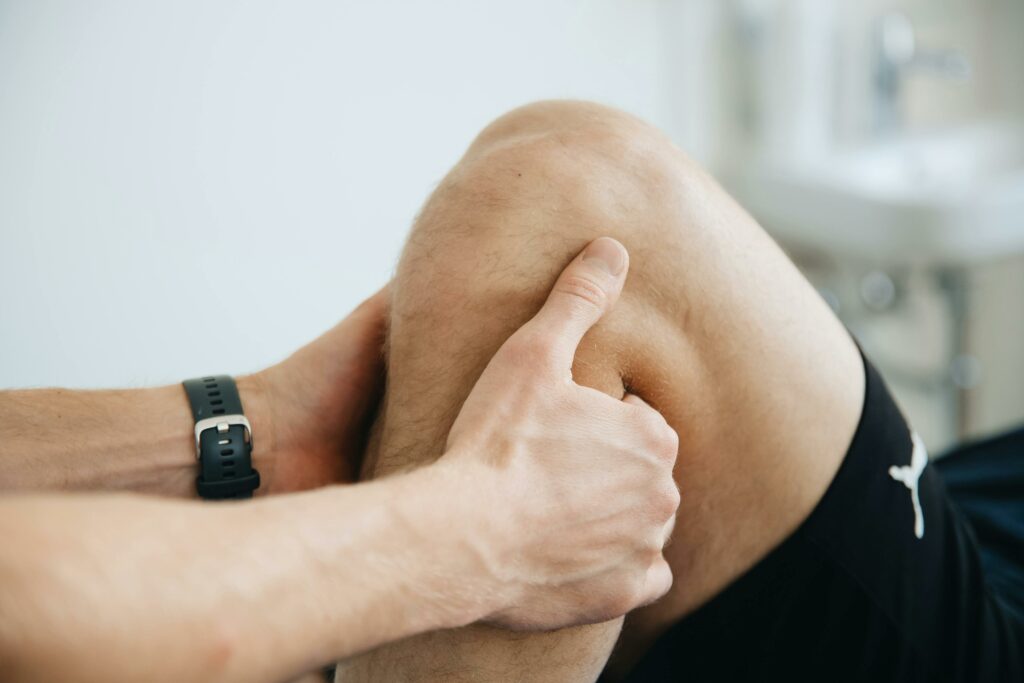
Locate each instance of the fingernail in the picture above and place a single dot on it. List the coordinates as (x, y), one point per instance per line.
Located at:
(607, 254)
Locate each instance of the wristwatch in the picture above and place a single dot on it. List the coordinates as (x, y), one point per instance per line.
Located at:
(223, 439)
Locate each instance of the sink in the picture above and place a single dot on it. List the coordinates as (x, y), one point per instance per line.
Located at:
(954, 196)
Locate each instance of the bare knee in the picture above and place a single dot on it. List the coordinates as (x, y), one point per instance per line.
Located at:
(549, 177)
(576, 156)
(573, 124)
(541, 182)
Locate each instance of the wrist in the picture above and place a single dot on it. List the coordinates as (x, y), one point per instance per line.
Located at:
(457, 512)
(444, 508)
(393, 554)
(257, 403)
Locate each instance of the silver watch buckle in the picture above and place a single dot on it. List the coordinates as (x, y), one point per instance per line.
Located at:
(222, 423)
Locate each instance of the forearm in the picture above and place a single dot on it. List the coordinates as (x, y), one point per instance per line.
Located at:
(479, 653)
(228, 592)
(130, 440)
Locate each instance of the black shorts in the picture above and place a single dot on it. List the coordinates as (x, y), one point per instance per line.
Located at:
(854, 595)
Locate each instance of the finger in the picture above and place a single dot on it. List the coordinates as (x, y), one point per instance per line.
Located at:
(643, 406)
(635, 400)
(585, 291)
(657, 582)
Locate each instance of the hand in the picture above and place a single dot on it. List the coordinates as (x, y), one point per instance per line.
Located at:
(577, 490)
(318, 402)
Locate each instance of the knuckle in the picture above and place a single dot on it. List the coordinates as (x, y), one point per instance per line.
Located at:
(662, 440)
(651, 550)
(664, 579)
(659, 437)
(644, 421)
(669, 443)
(667, 501)
(674, 498)
(652, 421)
(585, 291)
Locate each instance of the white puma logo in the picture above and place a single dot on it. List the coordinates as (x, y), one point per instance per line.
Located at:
(910, 476)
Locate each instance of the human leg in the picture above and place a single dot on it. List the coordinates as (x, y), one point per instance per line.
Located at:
(715, 328)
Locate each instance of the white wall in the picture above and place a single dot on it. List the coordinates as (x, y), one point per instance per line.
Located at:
(190, 187)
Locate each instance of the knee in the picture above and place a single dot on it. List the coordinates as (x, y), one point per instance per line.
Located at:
(562, 171)
(581, 152)
(538, 184)
(554, 175)
(571, 125)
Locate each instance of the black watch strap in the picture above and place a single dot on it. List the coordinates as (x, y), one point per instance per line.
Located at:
(223, 439)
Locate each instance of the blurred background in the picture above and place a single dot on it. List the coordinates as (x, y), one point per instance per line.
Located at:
(168, 169)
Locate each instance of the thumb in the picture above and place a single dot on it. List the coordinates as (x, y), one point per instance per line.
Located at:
(586, 290)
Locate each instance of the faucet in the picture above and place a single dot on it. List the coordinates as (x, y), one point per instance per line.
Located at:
(896, 53)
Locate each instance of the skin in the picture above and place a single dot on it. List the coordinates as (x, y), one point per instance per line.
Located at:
(716, 329)
(309, 413)
(512, 526)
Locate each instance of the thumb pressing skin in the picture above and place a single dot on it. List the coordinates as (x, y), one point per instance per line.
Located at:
(586, 290)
